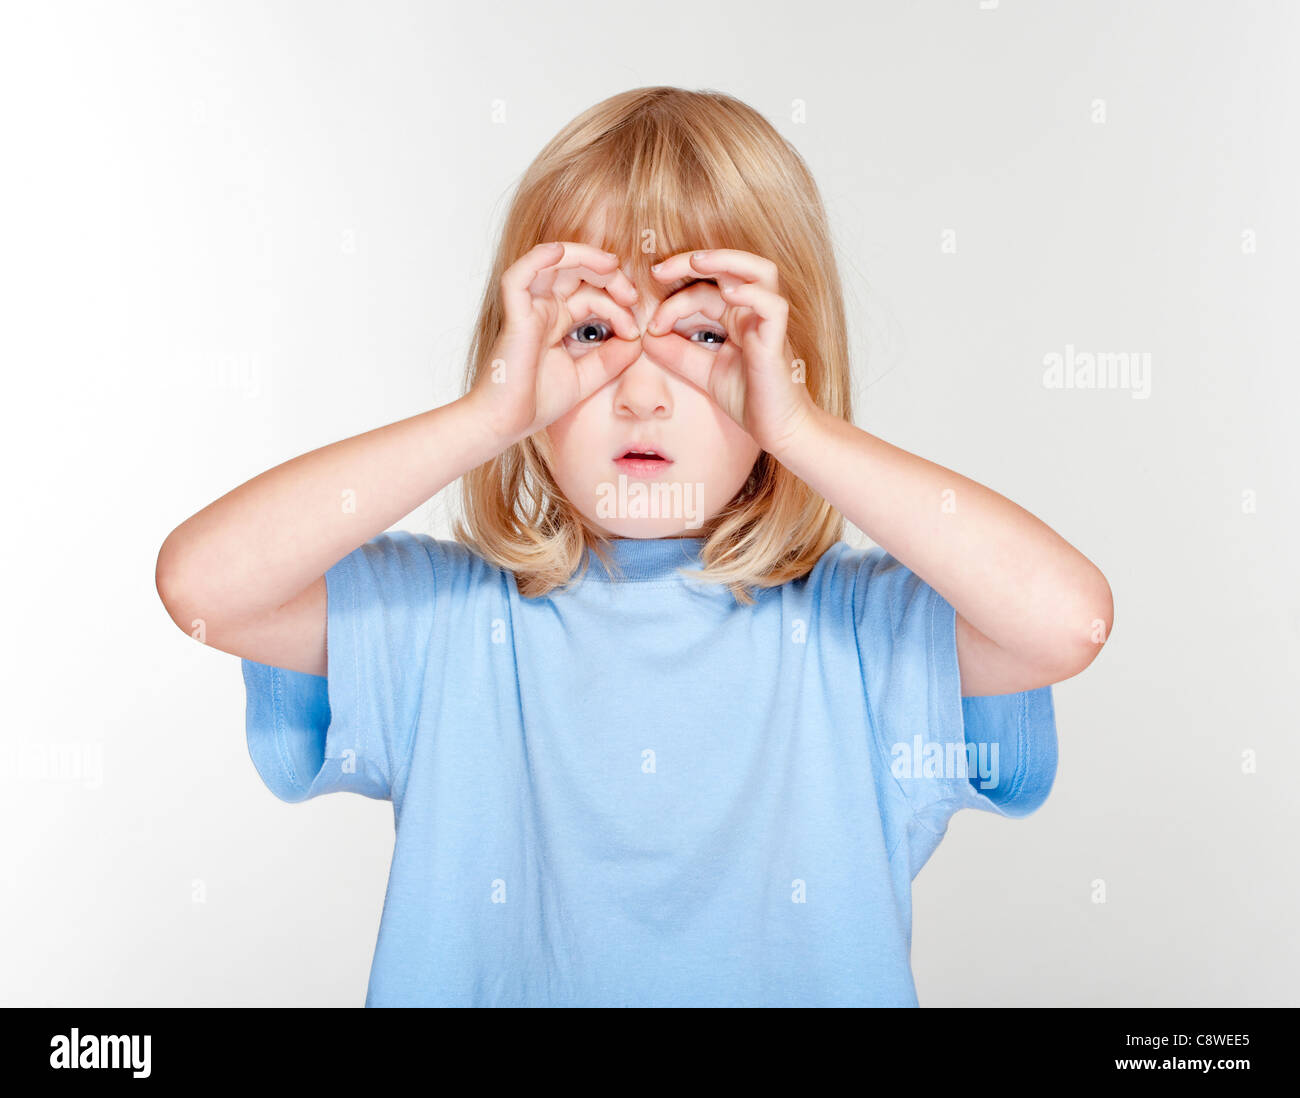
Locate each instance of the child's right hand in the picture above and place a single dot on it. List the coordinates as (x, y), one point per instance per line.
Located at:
(538, 369)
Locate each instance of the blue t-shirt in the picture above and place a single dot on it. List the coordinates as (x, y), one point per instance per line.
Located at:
(635, 791)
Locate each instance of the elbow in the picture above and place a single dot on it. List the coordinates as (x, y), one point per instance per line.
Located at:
(173, 587)
(1088, 621)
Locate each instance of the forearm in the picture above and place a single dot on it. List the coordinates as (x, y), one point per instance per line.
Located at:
(1007, 573)
(262, 543)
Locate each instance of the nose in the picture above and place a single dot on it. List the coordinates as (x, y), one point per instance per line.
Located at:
(641, 390)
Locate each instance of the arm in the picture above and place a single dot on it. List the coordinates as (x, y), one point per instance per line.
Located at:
(251, 565)
(1031, 609)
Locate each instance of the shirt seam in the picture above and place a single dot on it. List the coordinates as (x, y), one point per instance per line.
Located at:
(952, 796)
(871, 709)
(280, 723)
(399, 779)
(347, 572)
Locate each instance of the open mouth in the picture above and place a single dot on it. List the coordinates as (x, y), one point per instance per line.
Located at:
(642, 453)
(643, 462)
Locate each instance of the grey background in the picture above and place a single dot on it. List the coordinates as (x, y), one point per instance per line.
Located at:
(234, 232)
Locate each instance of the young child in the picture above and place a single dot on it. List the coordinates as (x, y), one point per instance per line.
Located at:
(653, 733)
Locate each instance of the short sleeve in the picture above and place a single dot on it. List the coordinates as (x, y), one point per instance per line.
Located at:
(944, 752)
(352, 729)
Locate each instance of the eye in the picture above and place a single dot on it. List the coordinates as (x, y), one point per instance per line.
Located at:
(591, 332)
(713, 336)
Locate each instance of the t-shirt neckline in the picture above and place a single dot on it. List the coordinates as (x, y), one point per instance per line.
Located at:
(641, 559)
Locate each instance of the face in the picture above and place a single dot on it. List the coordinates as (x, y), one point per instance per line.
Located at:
(602, 448)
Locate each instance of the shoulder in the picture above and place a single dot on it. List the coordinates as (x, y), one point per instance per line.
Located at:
(407, 558)
(850, 570)
(868, 585)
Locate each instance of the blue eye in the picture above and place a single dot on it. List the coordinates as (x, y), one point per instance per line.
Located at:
(590, 331)
(714, 337)
(593, 332)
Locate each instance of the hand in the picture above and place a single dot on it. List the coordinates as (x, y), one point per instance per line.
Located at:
(751, 375)
(538, 369)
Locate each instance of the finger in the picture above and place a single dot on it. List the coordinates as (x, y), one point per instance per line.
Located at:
(771, 309)
(514, 282)
(605, 363)
(588, 302)
(615, 282)
(682, 357)
(535, 270)
(593, 264)
(675, 267)
(711, 262)
(745, 265)
(702, 297)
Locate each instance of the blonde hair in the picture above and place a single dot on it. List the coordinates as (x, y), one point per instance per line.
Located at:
(675, 170)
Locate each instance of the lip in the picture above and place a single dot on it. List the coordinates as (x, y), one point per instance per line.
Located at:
(643, 468)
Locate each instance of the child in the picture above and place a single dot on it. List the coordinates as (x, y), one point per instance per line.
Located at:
(653, 733)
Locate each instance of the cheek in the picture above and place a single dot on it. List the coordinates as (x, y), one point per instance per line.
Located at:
(738, 451)
(736, 437)
(572, 441)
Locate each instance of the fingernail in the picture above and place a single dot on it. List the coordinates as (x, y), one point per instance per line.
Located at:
(696, 255)
(656, 266)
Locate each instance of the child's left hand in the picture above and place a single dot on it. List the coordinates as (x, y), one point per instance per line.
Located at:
(751, 376)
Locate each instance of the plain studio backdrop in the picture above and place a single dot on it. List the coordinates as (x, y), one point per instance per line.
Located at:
(234, 232)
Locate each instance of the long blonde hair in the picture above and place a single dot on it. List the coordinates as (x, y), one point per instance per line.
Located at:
(676, 170)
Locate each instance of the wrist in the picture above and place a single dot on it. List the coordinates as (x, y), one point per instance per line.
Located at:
(799, 436)
(490, 437)
(493, 434)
